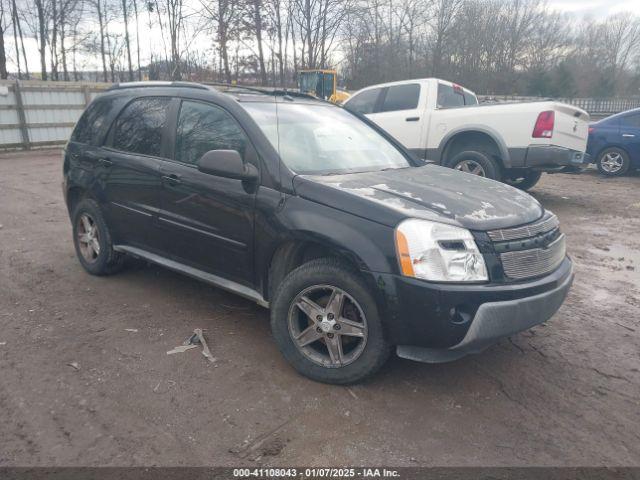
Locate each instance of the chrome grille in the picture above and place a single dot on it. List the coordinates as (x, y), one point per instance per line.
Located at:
(543, 226)
(534, 262)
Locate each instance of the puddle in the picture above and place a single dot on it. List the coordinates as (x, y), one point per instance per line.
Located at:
(624, 260)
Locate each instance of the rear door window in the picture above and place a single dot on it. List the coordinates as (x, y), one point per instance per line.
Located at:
(141, 126)
(401, 97)
(90, 127)
(632, 121)
(364, 102)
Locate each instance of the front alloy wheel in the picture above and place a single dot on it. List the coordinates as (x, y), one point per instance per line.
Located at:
(472, 167)
(326, 322)
(328, 326)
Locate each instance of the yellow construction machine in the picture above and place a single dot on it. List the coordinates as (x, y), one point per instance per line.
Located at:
(322, 84)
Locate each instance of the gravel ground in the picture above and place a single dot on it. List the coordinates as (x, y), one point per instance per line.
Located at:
(78, 388)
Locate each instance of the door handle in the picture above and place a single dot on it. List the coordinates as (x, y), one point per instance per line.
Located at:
(628, 135)
(171, 179)
(412, 119)
(105, 162)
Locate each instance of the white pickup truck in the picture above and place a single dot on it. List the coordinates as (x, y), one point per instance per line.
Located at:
(441, 121)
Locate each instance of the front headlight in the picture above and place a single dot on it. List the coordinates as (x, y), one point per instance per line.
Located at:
(438, 252)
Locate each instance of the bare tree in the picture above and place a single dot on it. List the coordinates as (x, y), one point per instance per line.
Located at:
(4, 13)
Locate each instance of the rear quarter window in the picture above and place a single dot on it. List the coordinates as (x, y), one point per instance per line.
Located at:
(90, 128)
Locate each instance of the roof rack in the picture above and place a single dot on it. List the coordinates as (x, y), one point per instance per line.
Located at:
(261, 90)
(119, 86)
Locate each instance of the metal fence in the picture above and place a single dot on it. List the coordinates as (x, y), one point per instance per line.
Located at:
(595, 107)
(41, 114)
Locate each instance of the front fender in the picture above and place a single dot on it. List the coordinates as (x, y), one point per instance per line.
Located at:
(367, 244)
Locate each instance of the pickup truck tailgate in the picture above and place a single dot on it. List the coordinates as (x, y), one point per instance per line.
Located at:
(571, 128)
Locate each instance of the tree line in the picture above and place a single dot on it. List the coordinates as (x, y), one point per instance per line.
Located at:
(492, 46)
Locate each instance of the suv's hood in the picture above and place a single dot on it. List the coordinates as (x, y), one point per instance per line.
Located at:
(429, 192)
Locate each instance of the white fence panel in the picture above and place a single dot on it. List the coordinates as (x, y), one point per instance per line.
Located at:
(41, 114)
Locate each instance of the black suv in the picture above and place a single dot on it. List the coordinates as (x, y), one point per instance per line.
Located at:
(316, 213)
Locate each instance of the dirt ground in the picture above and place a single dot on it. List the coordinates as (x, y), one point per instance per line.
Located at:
(78, 388)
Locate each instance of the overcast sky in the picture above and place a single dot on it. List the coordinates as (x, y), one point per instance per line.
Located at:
(579, 8)
(596, 8)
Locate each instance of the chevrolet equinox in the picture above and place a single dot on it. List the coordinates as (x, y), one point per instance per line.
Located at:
(355, 246)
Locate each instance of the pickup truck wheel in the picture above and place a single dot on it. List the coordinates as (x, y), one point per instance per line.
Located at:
(476, 163)
(613, 162)
(326, 323)
(524, 181)
(92, 240)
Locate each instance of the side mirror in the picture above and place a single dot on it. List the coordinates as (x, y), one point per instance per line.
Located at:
(228, 164)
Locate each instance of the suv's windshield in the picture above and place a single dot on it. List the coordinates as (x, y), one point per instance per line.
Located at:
(323, 139)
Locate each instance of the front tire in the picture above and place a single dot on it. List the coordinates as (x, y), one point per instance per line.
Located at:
(524, 181)
(327, 325)
(476, 163)
(92, 240)
(613, 162)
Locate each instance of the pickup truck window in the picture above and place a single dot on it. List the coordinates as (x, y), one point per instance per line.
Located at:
(324, 139)
(364, 102)
(401, 97)
(448, 97)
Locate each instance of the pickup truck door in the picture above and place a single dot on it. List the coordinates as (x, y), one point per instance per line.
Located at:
(401, 112)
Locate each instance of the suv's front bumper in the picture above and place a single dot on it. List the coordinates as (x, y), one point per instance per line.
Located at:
(551, 157)
(439, 322)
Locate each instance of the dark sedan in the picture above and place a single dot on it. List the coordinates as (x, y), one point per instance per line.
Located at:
(614, 143)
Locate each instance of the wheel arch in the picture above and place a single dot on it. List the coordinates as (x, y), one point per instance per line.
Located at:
(461, 139)
(301, 247)
(612, 145)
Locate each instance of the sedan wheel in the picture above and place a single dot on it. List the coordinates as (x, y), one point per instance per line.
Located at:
(328, 326)
(471, 166)
(612, 162)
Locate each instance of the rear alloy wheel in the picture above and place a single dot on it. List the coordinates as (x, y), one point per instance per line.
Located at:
(613, 162)
(476, 163)
(524, 181)
(326, 323)
(92, 240)
(88, 238)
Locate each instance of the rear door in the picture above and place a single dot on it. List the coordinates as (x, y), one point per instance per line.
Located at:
(630, 135)
(400, 112)
(135, 145)
(207, 221)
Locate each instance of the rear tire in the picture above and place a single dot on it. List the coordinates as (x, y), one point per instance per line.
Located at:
(525, 181)
(362, 347)
(613, 162)
(476, 163)
(92, 240)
